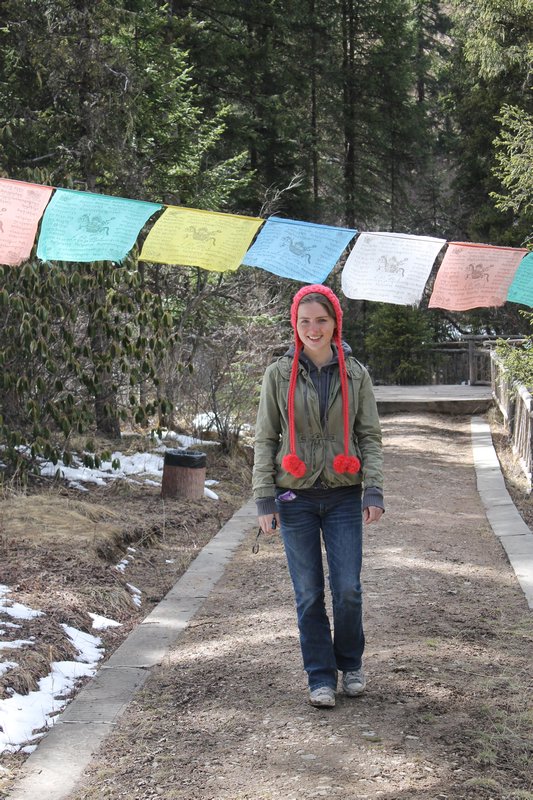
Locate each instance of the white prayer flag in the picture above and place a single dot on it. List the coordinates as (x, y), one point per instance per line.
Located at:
(390, 267)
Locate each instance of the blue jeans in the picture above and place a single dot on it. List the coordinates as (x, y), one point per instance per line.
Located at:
(302, 521)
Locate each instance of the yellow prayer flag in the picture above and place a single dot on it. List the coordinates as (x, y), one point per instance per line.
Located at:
(206, 239)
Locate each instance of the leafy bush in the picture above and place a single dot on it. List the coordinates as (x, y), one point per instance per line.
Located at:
(518, 358)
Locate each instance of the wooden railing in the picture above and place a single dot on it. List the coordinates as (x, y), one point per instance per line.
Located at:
(465, 361)
(516, 405)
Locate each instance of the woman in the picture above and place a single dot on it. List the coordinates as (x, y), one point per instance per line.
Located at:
(318, 438)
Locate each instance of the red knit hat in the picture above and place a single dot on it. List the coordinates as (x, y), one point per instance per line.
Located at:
(342, 462)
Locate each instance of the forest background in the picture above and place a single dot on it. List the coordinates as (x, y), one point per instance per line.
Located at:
(395, 115)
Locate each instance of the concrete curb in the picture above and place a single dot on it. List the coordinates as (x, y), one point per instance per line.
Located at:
(53, 769)
(507, 524)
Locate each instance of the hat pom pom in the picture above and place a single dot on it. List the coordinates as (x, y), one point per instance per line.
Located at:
(342, 463)
(294, 465)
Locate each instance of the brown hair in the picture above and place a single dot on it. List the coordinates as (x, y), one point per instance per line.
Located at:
(325, 302)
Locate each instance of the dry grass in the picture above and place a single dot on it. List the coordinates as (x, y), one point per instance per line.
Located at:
(59, 551)
(51, 519)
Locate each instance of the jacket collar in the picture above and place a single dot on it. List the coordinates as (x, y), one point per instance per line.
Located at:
(305, 365)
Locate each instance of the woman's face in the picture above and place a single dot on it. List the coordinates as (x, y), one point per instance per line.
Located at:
(315, 328)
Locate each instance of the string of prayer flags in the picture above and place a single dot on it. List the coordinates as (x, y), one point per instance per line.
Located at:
(384, 267)
(389, 267)
(21, 207)
(302, 251)
(81, 226)
(195, 238)
(521, 289)
(474, 276)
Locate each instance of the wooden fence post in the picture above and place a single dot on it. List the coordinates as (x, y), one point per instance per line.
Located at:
(183, 474)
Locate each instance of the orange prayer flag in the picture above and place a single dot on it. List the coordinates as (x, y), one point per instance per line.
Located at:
(21, 207)
(474, 276)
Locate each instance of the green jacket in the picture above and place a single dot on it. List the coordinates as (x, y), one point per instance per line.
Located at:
(316, 446)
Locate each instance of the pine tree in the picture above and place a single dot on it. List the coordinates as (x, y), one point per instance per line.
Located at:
(491, 75)
(94, 97)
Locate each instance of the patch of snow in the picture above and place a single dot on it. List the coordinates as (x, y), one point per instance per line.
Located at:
(72, 473)
(22, 715)
(135, 594)
(101, 623)
(147, 467)
(203, 421)
(89, 647)
(18, 610)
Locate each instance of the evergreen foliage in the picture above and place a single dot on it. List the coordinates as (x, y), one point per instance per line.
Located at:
(68, 369)
(96, 97)
(406, 115)
(398, 342)
(492, 99)
(514, 161)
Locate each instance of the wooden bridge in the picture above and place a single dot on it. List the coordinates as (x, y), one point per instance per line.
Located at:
(443, 399)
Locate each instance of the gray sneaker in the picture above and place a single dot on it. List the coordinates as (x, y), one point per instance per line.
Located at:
(354, 682)
(323, 697)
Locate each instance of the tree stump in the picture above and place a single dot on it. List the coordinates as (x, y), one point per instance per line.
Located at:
(183, 474)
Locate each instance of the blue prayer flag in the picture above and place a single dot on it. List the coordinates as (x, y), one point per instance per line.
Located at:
(302, 251)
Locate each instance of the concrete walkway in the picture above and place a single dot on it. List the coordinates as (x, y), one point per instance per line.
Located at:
(507, 524)
(53, 770)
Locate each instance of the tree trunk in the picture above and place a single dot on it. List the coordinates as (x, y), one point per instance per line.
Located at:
(105, 395)
(349, 98)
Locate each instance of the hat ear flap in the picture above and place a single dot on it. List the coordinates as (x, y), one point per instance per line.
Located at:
(291, 463)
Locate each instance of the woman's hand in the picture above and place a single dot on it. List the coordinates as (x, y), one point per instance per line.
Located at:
(372, 514)
(269, 523)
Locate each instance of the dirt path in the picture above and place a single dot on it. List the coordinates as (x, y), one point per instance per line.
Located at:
(447, 713)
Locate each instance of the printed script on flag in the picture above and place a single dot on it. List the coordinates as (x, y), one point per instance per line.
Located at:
(474, 276)
(195, 238)
(302, 251)
(21, 208)
(81, 226)
(390, 267)
(521, 289)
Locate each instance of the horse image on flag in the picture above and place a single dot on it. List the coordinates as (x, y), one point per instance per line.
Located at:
(202, 234)
(298, 248)
(477, 272)
(94, 224)
(391, 265)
